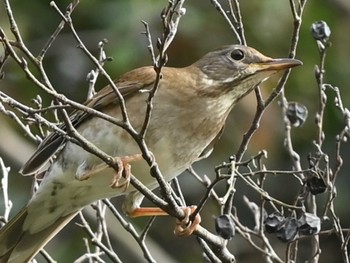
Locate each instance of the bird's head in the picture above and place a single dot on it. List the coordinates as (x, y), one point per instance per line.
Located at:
(237, 69)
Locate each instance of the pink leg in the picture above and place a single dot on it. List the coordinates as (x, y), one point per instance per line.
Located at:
(182, 228)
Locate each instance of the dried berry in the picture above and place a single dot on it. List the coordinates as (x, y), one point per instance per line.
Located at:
(316, 185)
(288, 231)
(274, 222)
(225, 227)
(320, 31)
(309, 224)
(296, 113)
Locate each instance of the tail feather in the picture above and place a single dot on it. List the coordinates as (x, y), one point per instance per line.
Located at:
(10, 234)
(18, 246)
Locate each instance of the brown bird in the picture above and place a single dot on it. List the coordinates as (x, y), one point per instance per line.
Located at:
(189, 112)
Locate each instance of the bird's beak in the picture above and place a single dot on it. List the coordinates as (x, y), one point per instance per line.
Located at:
(278, 64)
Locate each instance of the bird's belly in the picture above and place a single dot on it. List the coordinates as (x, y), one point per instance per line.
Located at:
(63, 191)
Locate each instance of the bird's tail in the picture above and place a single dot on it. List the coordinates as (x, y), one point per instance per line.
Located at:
(18, 246)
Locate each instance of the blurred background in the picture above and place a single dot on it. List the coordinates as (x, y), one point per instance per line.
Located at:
(268, 27)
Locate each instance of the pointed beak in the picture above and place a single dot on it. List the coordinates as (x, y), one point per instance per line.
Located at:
(278, 64)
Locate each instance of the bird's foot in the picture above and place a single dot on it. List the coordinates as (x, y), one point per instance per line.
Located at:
(183, 228)
(124, 170)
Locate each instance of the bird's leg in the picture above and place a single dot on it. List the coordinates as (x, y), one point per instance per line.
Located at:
(183, 227)
(124, 170)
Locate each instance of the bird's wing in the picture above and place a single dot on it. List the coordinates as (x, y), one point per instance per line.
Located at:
(128, 85)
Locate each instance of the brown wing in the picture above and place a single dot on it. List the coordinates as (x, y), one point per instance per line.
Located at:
(128, 85)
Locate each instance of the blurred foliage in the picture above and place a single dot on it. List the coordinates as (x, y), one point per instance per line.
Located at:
(268, 26)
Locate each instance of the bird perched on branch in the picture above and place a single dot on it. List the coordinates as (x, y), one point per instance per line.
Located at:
(189, 112)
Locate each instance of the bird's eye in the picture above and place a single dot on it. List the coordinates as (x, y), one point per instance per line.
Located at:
(237, 54)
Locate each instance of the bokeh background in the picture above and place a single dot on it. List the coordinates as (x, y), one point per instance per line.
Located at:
(268, 27)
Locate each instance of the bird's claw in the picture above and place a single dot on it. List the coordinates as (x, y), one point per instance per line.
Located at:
(185, 227)
(123, 171)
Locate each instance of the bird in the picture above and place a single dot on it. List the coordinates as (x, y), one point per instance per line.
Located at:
(189, 112)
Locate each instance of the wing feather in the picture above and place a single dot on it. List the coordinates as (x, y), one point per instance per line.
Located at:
(128, 85)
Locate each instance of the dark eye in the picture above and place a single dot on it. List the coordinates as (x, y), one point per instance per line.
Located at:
(237, 54)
